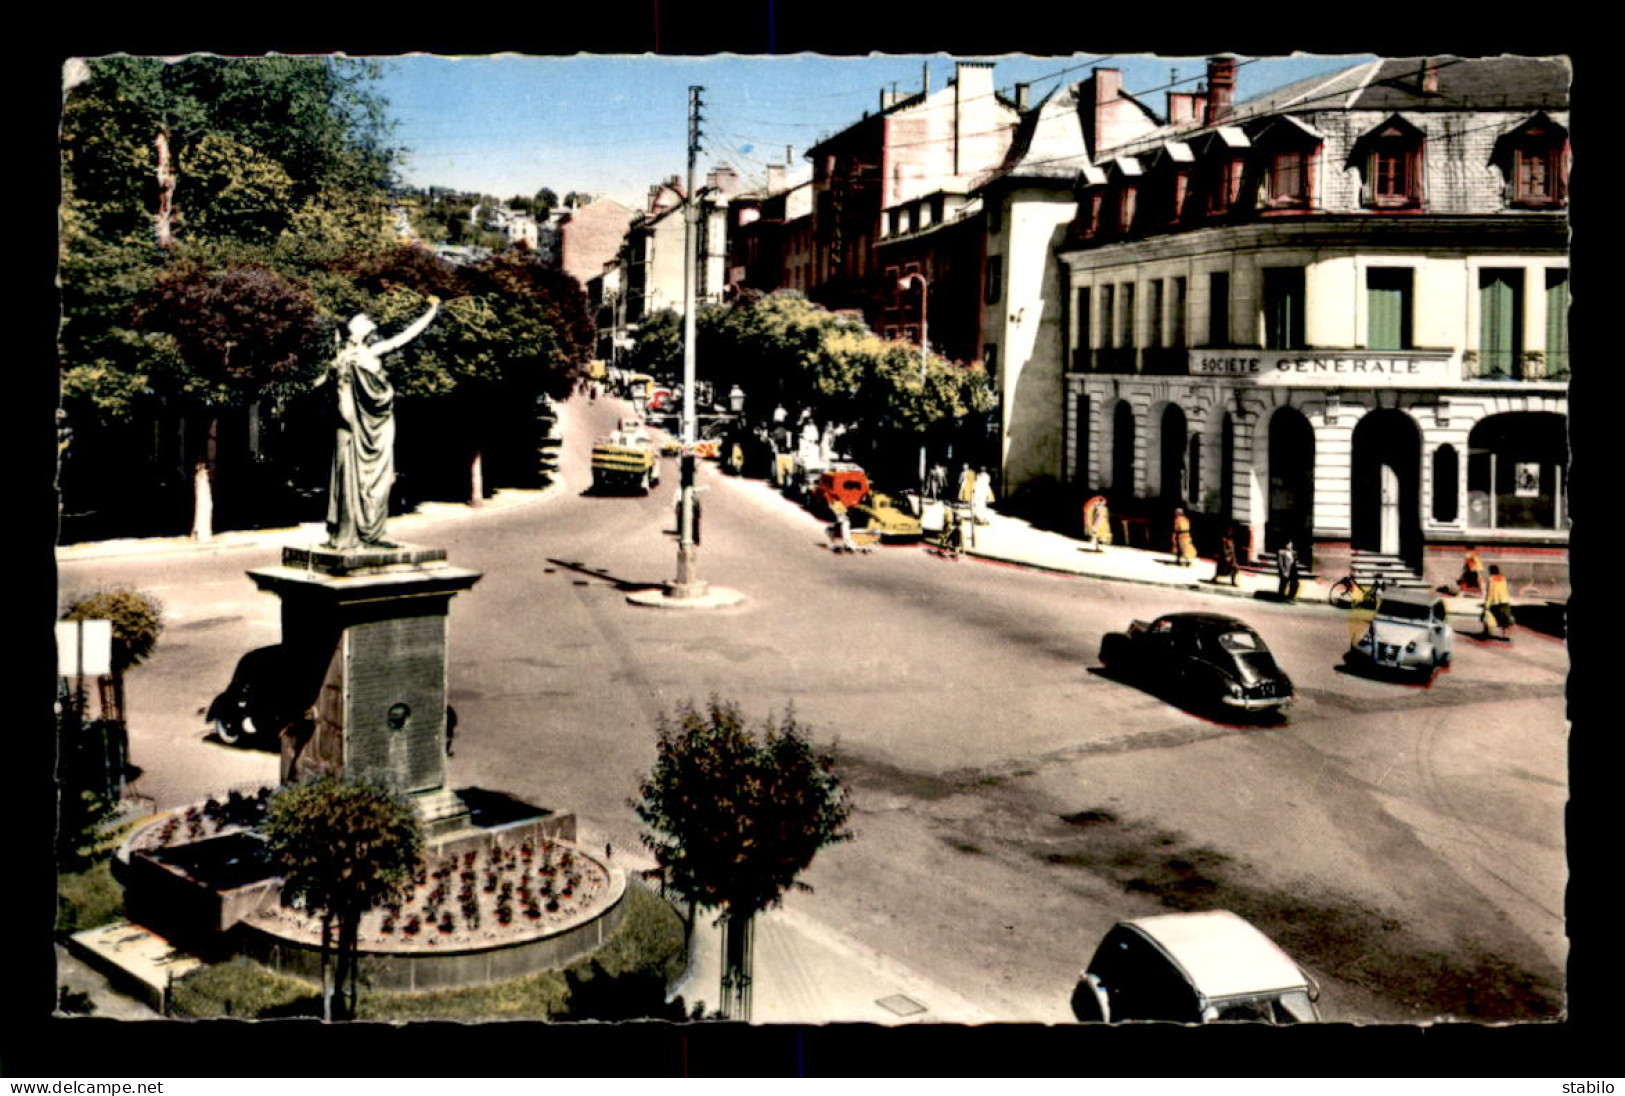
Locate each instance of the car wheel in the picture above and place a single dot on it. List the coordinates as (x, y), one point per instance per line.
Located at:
(229, 731)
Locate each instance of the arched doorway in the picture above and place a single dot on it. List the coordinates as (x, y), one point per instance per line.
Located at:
(1384, 497)
(1171, 487)
(1123, 451)
(1291, 481)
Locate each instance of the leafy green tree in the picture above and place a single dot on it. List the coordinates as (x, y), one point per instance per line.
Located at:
(237, 333)
(657, 349)
(137, 618)
(278, 163)
(735, 818)
(342, 848)
(783, 350)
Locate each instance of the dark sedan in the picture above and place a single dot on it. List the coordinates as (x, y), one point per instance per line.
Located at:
(1202, 658)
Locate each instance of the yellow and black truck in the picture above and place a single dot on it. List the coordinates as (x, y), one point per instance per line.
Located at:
(625, 460)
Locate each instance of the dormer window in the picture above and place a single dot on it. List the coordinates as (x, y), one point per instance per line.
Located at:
(1538, 175)
(1390, 159)
(1534, 159)
(1224, 188)
(1288, 180)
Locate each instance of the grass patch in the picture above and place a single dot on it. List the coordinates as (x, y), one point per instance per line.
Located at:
(241, 987)
(87, 899)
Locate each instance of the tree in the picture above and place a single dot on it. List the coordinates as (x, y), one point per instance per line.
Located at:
(137, 618)
(342, 848)
(657, 349)
(735, 818)
(237, 331)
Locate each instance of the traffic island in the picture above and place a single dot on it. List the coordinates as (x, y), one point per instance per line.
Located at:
(692, 595)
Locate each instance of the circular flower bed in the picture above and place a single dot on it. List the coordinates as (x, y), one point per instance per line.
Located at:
(473, 899)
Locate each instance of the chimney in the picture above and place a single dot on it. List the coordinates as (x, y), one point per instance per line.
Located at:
(775, 178)
(1185, 107)
(1221, 89)
(1021, 97)
(1429, 77)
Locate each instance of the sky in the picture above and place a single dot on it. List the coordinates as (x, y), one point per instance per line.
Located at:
(612, 126)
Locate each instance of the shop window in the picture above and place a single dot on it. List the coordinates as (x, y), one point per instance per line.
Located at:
(1108, 316)
(1127, 335)
(1284, 308)
(1155, 340)
(1388, 308)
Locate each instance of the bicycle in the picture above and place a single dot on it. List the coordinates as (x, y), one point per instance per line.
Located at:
(1348, 593)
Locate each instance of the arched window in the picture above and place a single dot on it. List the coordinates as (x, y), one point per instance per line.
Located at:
(1446, 483)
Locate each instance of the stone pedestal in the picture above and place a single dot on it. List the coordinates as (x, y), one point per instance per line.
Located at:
(364, 633)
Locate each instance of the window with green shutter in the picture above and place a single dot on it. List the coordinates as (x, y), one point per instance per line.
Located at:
(1388, 308)
(1500, 326)
(1557, 323)
(1283, 308)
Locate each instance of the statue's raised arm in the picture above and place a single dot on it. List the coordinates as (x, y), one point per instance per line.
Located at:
(409, 332)
(364, 449)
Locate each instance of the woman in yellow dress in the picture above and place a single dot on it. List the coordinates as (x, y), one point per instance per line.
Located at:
(1184, 546)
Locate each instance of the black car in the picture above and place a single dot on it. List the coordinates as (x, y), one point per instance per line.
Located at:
(254, 704)
(1203, 658)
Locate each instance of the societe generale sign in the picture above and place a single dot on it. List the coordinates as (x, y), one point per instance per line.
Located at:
(1345, 368)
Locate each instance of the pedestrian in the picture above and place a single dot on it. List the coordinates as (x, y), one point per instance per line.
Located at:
(1097, 521)
(967, 484)
(981, 497)
(953, 534)
(1286, 567)
(677, 508)
(1472, 573)
(1184, 546)
(936, 482)
(840, 528)
(451, 727)
(1497, 604)
(1228, 567)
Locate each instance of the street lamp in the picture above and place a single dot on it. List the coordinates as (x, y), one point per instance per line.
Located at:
(925, 295)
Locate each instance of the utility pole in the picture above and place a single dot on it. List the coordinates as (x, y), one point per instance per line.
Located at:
(688, 583)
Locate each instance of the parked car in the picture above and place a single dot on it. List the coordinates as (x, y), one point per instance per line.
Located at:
(1409, 631)
(888, 517)
(1202, 658)
(254, 704)
(1193, 968)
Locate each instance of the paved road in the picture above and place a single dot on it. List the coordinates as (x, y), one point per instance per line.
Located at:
(1404, 843)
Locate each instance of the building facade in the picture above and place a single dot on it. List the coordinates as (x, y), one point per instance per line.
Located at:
(1335, 315)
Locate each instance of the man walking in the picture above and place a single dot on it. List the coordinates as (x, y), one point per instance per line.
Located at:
(1286, 567)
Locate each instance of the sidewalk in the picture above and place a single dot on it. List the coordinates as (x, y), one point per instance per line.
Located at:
(809, 973)
(1016, 542)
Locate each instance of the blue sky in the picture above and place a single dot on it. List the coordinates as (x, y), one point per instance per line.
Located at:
(612, 125)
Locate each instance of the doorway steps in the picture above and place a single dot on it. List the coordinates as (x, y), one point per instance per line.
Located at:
(1367, 566)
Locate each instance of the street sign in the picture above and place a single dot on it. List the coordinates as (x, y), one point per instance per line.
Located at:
(84, 648)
